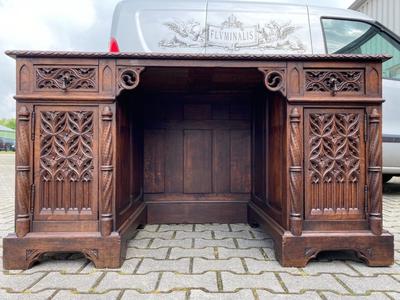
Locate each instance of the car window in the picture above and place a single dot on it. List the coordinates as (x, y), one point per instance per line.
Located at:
(346, 36)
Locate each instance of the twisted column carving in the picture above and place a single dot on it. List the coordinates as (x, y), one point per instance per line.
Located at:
(295, 172)
(375, 173)
(106, 171)
(22, 173)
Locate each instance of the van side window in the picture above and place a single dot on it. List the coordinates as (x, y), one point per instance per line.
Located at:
(346, 36)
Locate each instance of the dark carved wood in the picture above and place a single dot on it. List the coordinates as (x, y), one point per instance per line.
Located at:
(23, 170)
(66, 161)
(350, 81)
(107, 171)
(375, 172)
(103, 147)
(295, 172)
(66, 78)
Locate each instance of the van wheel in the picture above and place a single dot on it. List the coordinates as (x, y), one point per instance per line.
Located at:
(386, 177)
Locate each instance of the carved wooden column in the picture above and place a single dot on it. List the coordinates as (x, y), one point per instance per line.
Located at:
(22, 172)
(106, 169)
(295, 171)
(375, 172)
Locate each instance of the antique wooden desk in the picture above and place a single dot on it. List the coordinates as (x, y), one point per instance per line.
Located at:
(106, 142)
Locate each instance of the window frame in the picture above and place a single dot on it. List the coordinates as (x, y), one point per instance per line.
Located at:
(384, 32)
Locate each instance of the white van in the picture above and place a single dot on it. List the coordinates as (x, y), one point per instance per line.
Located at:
(264, 27)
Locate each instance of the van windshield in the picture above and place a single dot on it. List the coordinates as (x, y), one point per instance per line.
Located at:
(348, 36)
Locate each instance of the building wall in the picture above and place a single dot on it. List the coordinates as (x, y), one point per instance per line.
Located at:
(386, 12)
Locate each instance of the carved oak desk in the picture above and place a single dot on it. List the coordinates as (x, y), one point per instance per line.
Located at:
(106, 142)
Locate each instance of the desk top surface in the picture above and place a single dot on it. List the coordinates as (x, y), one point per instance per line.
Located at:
(191, 56)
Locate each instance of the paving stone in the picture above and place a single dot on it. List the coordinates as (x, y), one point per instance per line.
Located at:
(175, 265)
(133, 295)
(18, 283)
(266, 295)
(244, 243)
(257, 266)
(25, 296)
(65, 266)
(240, 227)
(204, 252)
(185, 243)
(152, 235)
(296, 283)
(150, 253)
(250, 253)
(69, 295)
(371, 271)
(213, 226)
(336, 266)
(201, 265)
(394, 295)
(270, 252)
(174, 227)
(139, 243)
(260, 234)
(231, 282)
(234, 234)
(171, 281)
(193, 234)
(373, 296)
(227, 243)
(151, 227)
(240, 295)
(361, 285)
(113, 280)
(128, 266)
(78, 282)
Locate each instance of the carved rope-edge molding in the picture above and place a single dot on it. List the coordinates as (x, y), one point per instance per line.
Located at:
(374, 173)
(22, 173)
(295, 172)
(275, 79)
(107, 171)
(128, 78)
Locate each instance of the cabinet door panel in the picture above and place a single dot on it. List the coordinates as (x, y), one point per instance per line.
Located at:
(66, 163)
(334, 164)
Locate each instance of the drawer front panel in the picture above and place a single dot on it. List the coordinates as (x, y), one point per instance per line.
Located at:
(331, 81)
(62, 78)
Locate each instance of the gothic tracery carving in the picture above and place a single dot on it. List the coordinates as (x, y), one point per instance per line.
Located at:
(66, 78)
(334, 81)
(66, 157)
(334, 161)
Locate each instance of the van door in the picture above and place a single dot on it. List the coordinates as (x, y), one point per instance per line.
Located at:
(160, 26)
(350, 36)
(255, 27)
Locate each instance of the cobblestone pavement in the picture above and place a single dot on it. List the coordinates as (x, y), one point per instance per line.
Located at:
(201, 261)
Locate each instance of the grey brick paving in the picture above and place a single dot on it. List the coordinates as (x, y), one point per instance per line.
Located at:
(241, 295)
(207, 281)
(231, 282)
(199, 261)
(113, 280)
(134, 295)
(201, 265)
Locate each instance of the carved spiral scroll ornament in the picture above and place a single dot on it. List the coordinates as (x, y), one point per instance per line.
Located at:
(275, 80)
(128, 78)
